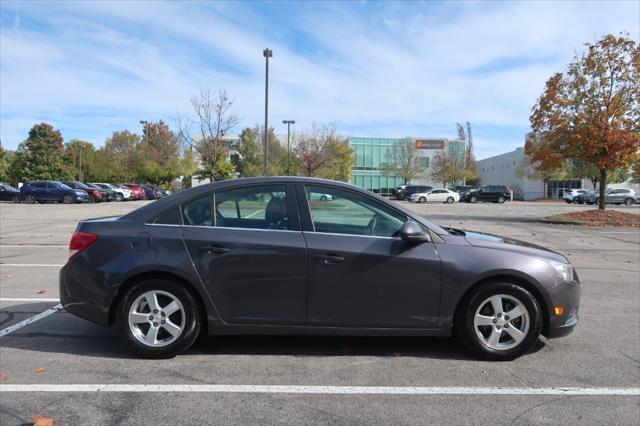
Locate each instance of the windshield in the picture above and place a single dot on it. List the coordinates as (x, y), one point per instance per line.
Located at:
(60, 185)
(8, 187)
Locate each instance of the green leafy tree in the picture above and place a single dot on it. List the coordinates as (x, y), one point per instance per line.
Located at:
(160, 155)
(403, 161)
(6, 158)
(448, 168)
(591, 112)
(341, 161)
(635, 170)
(41, 156)
(80, 158)
(250, 161)
(119, 160)
(585, 170)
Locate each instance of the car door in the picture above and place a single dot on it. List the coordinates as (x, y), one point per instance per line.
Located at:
(250, 254)
(42, 192)
(361, 273)
(437, 195)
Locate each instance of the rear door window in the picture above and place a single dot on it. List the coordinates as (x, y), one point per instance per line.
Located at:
(254, 207)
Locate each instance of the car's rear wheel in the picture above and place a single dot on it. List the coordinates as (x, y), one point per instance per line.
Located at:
(473, 199)
(323, 198)
(450, 200)
(30, 199)
(160, 318)
(67, 199)
(628, 202)
(422, 200)
(499, 321)
(119, 197)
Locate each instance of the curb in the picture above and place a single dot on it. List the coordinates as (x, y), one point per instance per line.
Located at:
(603, 224)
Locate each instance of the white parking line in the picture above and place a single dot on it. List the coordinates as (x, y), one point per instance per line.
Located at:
(28, 299)
(33, 246)
(48, 234)
(34, 265)
(21, 324)
(319, 390)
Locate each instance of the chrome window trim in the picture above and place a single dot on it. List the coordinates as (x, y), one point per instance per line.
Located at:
(352, 235)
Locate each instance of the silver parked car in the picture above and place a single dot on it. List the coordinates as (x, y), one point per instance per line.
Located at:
(622, 196)
(571, 194)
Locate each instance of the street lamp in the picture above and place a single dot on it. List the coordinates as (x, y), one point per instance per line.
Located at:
(288, 123)
(267, 53)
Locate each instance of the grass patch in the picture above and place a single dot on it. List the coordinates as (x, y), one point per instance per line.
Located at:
(599, 218)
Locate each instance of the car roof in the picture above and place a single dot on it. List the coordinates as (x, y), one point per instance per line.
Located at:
(150, 211)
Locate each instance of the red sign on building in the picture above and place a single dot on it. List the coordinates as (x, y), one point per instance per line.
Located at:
(429, 144)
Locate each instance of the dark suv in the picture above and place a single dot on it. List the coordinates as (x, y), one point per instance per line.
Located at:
(494, 193)
(409, 190)
(51, 190)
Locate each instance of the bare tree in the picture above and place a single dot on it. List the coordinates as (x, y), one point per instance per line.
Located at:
(313, 148)
(212, 121)
(403, 161)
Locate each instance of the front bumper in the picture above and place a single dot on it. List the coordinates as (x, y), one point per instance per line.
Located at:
(566, 295)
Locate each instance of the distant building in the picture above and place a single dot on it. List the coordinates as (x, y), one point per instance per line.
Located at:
(372, 153)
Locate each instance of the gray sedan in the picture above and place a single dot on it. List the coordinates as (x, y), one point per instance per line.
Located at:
(268, 256)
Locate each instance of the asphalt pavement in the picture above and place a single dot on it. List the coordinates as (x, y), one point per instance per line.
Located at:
(327, 380)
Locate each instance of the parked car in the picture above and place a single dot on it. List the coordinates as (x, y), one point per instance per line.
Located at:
(399, 191)
(148, 193)
(96, 195)
(571, 194)
(463, 189)
(622, 196)
(612, 196)
(121, 194)
(108, 194)
(51, 190)
(160, 192)
(252, 256)
(319, 196)
(9, 193)
(436, 196)
(494, 193)
(409, 190)
(138, 191)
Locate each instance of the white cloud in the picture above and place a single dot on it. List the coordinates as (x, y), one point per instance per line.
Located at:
(396, 69)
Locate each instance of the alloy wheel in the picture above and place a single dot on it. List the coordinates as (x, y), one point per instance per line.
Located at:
(67, 199)
(156, 318)
(30, 199)
(501, 322)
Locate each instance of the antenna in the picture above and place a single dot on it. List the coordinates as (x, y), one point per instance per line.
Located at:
(461, 135)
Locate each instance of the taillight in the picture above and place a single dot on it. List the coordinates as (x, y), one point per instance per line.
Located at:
(80, 241)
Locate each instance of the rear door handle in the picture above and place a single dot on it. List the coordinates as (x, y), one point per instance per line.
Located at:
(328, 259)
(214, 249)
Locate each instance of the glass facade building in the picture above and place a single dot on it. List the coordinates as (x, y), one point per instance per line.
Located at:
(373, 153)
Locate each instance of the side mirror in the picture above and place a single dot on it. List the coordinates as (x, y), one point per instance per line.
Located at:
(412, 232)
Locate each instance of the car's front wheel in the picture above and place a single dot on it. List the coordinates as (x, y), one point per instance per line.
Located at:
(500, 200)
(67, 199)
(473, 199)
(119, 197)
(499, 321)
(160, 318)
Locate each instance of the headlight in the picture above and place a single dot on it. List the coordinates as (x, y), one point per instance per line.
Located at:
(80, 192)
(564, 269)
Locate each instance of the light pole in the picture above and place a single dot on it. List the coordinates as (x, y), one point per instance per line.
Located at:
(267, 53)
(288, 123)
(144, 128)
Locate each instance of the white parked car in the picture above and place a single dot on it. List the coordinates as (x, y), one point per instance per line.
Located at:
(571, 194)
(436, 196)
(121, 193)
(321, 197)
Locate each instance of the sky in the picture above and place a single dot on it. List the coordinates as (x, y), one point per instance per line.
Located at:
(381, 69)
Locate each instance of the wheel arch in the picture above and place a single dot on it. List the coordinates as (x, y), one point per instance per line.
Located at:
(133, 280)
(513, 279)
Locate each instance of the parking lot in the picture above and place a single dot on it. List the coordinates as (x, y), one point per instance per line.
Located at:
(329, 380)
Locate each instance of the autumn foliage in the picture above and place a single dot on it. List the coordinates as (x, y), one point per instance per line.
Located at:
(591, 111)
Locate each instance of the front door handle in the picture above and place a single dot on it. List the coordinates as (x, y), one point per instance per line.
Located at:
(214, 249)
(329, 259)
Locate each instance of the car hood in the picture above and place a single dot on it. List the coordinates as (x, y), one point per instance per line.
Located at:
(479, 239)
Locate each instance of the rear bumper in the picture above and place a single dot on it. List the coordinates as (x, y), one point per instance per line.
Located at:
(79, 297)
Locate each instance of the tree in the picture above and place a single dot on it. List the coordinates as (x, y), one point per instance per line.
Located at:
(80, 158)
(591, 112)
(41, 155)
(585, 170)
(119, 160)
(403, 161)
(447, 167)
(312, 149)
(213, 121)
(6, 158)
(160, 154)
(635, 170)
(342, 159)
(472, 172)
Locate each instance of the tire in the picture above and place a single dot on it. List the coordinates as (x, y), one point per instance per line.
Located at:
(597, 201)
(501, 200)
(323, 198)
(569, 201)
(67, 199)
(119, 197)
(187, 318)
(15, 199)
(478, 337)
(422, 200)
(30, 199)
(628, 202)
(450, 200)
(473, 199)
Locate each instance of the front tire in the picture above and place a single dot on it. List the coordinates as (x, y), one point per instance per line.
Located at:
(473, 199)
(119, 197)
(160, 318)
(67, 199)
(501, 200)
(499, 321)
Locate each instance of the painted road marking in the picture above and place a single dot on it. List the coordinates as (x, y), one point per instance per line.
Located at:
(34, 265)
(319, 390)
(28, 299)
(33, 246)
(31, 320)
(48, 234)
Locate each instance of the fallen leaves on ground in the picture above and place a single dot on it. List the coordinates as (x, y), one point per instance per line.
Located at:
(42, 291)
(3, 377)
(39, 370)
(599, 218)
(43, 421)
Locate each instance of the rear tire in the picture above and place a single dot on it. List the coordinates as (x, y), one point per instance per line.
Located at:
(628, 202)
(450, 200)
(494, 335)
(119, 197)
(30, 199)
(422, 200)
(171, 338)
